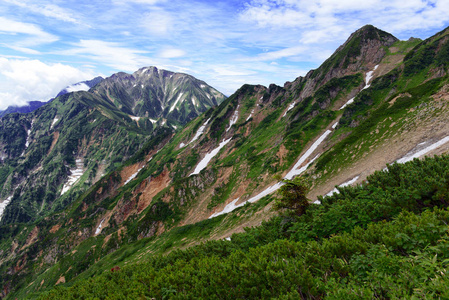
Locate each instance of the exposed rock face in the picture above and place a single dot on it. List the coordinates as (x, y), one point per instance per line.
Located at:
(362, 51)
(88, 133)
(159, 94)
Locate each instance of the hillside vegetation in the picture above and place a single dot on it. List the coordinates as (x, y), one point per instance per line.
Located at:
(375, 101)
(387, 238)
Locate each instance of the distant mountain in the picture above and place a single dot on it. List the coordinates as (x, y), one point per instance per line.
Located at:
(159, 95)
(33, 105)
(81, 86)
(52, 155)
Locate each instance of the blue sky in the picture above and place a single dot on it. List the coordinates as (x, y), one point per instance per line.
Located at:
(47, 45)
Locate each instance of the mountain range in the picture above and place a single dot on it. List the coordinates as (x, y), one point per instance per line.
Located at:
(33, 105)
(154, 161)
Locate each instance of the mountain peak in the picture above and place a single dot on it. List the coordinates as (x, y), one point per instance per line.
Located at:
(369, 32)
(363, 49)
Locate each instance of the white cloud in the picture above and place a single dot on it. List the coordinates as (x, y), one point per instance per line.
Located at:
(172, 53)
(283, 53)
(47, 10)
(157, 22)
(151, 2)
(312, 14)
(28, 80)
(112, 54)
(34, 34)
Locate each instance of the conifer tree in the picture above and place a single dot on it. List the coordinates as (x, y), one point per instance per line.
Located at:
(293, 201)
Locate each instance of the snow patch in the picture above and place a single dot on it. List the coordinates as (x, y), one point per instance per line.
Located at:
(135, 118)
(153, 121)
(335, 125)
(176, 102)
(199, 132)
(202, 86)
(75, 174)
(368, 77)
(289, 108)
(3, 205)
(232, 206)
(293, 172)
(250, 115)
(54, 122)
(347, 103)
(410, 156)
(349, 182)
(133, 175)
(27, 142)
(205, 161)
(98, 230)
(182, 145)
(234, 118)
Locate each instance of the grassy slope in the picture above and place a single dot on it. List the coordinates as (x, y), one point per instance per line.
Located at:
(298, 120)
(390, 238)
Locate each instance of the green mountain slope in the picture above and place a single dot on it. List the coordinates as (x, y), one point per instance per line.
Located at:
(369, 241)
(52, 155)
(368, 105)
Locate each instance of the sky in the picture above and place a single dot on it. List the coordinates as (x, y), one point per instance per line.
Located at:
(48, 45)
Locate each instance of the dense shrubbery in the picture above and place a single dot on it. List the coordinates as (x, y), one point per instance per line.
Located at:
(385, 239)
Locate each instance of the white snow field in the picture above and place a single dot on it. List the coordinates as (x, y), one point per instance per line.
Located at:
(133, 175)
(205, 161)
(349, 182)
(290, 107)
(3, 205)
(250, 115)
(410, 156)
(98, 230)
(234, 118)
(176, 102)
(199, 132)
(75, 174)
(27, 142)
(368, 77)
(54, 122)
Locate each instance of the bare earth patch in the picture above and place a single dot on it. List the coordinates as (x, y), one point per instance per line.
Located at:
(55, 228)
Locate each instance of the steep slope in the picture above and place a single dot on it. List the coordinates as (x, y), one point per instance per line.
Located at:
(159, 95)
(50, 156)
(327, 126)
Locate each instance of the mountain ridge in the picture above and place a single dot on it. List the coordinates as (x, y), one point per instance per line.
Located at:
(323, 127)
(85, 127)
(33, 105)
